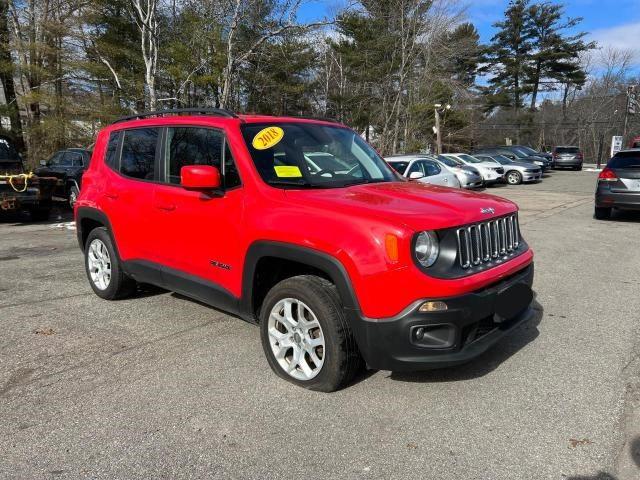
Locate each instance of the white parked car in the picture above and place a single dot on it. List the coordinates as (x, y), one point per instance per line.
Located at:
(491, 171)
(423, 169)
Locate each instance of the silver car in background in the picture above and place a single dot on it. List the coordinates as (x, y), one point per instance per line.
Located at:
(468, 176)
(491, 171)
(515, 172)
(423, 169)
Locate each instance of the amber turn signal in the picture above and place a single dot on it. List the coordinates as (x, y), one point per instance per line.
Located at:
(433, 307)
(391, 246)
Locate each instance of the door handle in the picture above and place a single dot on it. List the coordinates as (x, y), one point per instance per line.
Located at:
(166, 208)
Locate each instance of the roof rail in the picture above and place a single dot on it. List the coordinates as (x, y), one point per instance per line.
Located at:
(218, 112)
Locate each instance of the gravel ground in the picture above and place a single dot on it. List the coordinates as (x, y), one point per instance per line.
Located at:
(159, 386)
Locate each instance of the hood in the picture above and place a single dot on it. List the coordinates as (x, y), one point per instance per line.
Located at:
(469, 168)
(487, 164)
(419, 206)
(523, 164)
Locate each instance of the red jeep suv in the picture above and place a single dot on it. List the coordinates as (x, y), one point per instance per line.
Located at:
(298, 225)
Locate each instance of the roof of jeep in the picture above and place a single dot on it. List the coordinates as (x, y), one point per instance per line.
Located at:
(167, 116)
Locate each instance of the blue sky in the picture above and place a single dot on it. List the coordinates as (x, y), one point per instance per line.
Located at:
(610, 22)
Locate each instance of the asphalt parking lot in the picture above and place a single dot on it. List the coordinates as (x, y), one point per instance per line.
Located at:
(160, 386)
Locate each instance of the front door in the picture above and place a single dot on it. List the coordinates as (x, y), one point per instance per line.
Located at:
(198, 232)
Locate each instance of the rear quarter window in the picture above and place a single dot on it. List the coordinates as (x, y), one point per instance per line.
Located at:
(138, 158)
(111, 156)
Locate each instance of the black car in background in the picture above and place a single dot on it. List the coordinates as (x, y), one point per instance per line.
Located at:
(68, 166)
(619, 184)
(568, 157)
(516, 154)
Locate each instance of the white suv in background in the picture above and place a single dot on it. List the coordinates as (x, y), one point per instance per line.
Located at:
(491, 171)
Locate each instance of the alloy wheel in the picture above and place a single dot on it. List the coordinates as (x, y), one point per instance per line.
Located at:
(99, 263)
(296, 339)
(513, 178)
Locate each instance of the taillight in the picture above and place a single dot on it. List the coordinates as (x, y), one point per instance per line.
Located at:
(579, 155)
(607, 175)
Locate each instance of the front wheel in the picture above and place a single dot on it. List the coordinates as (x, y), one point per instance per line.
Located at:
(305, 335)
(514, 178)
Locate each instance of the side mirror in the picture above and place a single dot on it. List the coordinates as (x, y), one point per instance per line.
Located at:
(415, 175)
(200, 177)
(43, 163)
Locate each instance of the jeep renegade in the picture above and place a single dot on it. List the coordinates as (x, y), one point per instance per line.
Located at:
(298, 225)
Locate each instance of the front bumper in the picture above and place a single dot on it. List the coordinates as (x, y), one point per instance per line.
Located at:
(531, 177)
(11, 201)
(469, 327)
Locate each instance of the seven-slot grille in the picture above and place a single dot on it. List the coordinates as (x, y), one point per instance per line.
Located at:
(487, 241)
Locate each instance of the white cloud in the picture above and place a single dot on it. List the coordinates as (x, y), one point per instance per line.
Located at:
(623, 37)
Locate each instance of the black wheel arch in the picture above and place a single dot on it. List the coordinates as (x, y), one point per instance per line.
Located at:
(315, 259)
(87, 219)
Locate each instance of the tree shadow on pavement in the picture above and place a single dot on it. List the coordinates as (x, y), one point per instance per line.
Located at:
(486, 362)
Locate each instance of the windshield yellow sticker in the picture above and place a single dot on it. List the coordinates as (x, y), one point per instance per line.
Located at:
(267, 138)
(288, 171)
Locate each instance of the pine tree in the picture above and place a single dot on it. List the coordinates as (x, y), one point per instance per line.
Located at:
(509, 55)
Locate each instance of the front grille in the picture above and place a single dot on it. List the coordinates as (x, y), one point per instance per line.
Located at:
(487, 241)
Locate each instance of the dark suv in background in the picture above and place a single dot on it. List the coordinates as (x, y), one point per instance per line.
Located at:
(568, 157)
(619, 184)
(516, 153)
(67, 166)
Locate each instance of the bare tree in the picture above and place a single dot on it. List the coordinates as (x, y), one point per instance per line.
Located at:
(146, 15)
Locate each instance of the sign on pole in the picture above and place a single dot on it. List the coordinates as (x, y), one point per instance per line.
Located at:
(616, 144)
(632, 103)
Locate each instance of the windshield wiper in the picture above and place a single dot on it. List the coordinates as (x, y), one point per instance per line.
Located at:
(362, 181)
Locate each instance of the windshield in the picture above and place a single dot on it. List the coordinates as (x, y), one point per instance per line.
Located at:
(502, 160)
(528, 150)
(313, 155)
(625, 160)
(470, 159)
(448, 161)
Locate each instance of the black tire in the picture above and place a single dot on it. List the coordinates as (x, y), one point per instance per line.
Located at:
(73, 195)
(40, 214)
(342, 358)
(120, 285)
(513, 177)
(579, 168)
(603, 213)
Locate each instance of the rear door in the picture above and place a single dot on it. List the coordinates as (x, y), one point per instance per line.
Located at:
(128, 192)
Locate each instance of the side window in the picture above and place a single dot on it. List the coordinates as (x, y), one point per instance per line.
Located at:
(73, 159)
(66, 160)
(139, 153)
(231, 175)
(431, 169)
(415, 167)
(111, 156)
(191, 146)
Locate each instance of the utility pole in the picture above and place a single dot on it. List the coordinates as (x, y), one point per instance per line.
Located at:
(629, 110)
(439, 109)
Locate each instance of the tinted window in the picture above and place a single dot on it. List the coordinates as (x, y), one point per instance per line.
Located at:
(449, 162)
(567, 149)
(231, 175)
(56, 159)
(7, 151)
(625, 160)
(73, 159)
(192, 146)
(112, 149)
(139, 153)
(430, 168)
(469, 158)
(399, 167)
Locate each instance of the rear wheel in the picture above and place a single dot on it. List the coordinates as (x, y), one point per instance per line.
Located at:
(103, 268)
(305, 335)
(514, 178)
(603, 213)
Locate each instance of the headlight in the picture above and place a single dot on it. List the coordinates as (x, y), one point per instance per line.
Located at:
(427, 248)
(539, 163)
